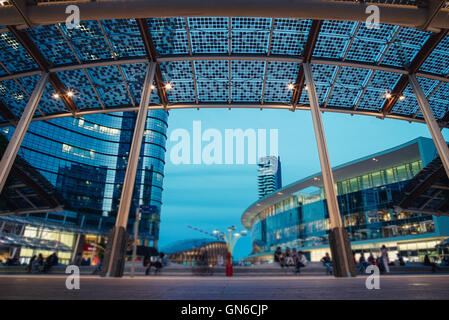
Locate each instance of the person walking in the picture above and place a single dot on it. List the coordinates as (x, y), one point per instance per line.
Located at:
(31, 264)
(384, 258)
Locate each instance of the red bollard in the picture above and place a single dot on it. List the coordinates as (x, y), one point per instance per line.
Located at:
(229, 265)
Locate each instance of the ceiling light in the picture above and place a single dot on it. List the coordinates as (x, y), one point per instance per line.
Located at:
(55, 95)
(69, 93)
(291, 86)
(387, 95)
(306, 87)
(153, 87)
(168, 86)
(402, 98)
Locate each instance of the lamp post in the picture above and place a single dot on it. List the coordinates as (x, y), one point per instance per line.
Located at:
(231, 239)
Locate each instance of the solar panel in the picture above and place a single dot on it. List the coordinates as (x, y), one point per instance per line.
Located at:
(13, 56)
(51, 42)
(109, 84)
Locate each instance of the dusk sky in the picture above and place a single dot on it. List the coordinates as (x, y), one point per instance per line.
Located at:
(215, 196)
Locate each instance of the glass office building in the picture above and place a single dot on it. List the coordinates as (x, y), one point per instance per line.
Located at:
(85, 158)
(296, 216)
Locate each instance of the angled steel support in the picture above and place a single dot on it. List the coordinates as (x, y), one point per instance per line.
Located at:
(432, 124)
(21, 8)
(339, 242)
(115, 259)
(14, 144)
(413, 68)
(152, 56)
(433, 7)
(307, 56)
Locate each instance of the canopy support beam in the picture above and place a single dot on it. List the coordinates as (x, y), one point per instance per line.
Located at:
(116, 247)
(432, 124)
(338, 238)
(14, 144)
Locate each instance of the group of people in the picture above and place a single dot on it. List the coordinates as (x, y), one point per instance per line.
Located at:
(158, 261)
(39, 264)
(292, 258)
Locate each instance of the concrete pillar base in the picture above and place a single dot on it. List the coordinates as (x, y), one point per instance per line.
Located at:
(342, 258)
(119, 256)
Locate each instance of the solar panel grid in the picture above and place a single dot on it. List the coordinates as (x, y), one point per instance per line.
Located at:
(250, 35)
(13, 96)
(109, 84)
(212, 80)
(84, 95)
(48, 104)
(289, 36)
(409, 105)
(13, 56)
(438, 61)
(169, 35)
(52, 44)
(381, 83)
(179, 74)
(279, 75)
(124, 37)
(209, 35)
(135, 75)
(88, 41)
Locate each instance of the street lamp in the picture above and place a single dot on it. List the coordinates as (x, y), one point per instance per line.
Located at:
(231, 240)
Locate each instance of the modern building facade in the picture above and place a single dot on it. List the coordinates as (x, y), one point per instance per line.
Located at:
(85, 159)
(189, 251)
(269, 175)
(367, 190)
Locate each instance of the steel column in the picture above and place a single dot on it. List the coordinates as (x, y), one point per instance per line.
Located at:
(14, 144)
(133, 160)
(432, 124)
(343, 259)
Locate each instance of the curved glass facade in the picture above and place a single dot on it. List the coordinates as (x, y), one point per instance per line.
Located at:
(85, 158)
(367, 206)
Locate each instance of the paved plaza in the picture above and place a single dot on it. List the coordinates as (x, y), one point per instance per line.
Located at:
(404, 287)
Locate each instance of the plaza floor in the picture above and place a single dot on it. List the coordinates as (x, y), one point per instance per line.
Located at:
(406, 287)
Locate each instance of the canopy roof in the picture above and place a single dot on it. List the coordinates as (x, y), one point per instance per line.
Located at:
(222, 62)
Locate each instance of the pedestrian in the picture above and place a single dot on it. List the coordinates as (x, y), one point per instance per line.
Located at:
(427, 262)
(288, 258)
(371, 259)
(31, 264)
(279, 257)
(302, 262)
(362, 263)
(384, 257)
(40, 262)
(327, 262)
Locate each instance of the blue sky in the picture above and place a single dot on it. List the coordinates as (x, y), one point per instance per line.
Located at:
(215, 196)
